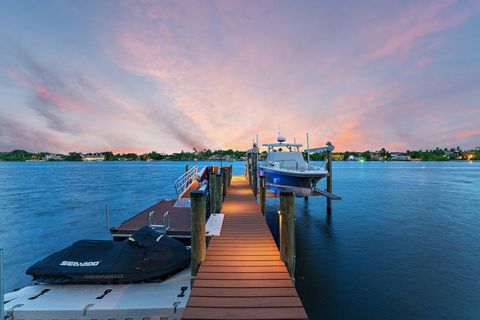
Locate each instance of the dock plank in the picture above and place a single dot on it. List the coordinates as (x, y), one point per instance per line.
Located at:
(243, 292)
(242, 276)
(245, 302)
(244, 313)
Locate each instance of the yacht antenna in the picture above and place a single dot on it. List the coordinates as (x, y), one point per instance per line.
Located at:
(308, 150)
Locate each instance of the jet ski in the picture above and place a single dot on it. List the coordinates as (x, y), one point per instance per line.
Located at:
(147, 255)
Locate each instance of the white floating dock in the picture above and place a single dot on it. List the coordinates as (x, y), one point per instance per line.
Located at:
(140, 301)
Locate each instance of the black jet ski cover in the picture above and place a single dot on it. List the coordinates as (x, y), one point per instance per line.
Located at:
(146, 255)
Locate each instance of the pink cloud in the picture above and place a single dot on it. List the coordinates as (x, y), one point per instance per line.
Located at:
(63, 103)
(466, 134)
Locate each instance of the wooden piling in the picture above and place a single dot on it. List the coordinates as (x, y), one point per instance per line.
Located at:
(287, 231)
(329, 181)
(212, 193)
(224, 182)
(263, 194)
(198, 205)
(219, 191)
(187, 168)
(254, 174)
(249, 168)
(231, 175)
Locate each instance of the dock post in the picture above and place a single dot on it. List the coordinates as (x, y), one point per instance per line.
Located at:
(211, 191)
(224, 182)
(219, 191)
(263, 194)
(231, 175)
(2, 307)
(198, 213)
(249, 168)
(287, 231)
(187, 168)
(254, 174)
(329, 180)
(216, 185)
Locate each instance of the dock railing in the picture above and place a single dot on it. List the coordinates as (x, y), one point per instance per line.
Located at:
(185, 180)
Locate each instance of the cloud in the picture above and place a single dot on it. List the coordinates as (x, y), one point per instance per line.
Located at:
(18, 135)
(71, 103)
(404, 32)
(176, 75)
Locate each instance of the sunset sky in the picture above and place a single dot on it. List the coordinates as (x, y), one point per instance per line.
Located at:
(173, 75)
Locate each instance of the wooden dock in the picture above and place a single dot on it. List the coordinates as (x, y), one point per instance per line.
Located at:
(242, 276)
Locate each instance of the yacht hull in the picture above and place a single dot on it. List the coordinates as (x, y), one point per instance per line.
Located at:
(301, 183)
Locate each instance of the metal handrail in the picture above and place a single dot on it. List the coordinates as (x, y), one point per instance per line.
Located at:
(185, 180)
(151, 218)
(166, 222)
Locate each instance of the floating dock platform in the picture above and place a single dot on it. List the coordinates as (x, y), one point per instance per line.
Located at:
(242, 276)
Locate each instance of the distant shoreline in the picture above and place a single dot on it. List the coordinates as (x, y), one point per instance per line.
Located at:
(437, 154)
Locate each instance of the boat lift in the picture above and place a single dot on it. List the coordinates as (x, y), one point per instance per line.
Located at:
(252, 158)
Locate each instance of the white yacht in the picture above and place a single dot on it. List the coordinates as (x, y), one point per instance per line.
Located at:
(285, 168)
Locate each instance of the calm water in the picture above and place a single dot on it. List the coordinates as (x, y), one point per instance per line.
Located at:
(404, 243)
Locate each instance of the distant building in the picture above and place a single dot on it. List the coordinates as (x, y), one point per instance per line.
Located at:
(398, 156)
(477, 149)
(337, 156)
(376, 156)
(93, 157)
(352, 158)
(53, 157)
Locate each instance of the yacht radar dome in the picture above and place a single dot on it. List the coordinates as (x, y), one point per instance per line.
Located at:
(280, 138)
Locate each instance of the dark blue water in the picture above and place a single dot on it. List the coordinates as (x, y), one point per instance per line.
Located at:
(404, 243)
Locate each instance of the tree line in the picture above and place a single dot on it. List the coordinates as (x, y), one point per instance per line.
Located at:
(436, 154)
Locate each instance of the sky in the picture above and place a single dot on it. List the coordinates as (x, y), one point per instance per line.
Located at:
(138, 76)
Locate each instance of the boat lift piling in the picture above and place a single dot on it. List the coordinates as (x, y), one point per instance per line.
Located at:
(250, 170)
(287, 230)
(329, 179)
(263, 194)
(328, 192)
(254, 173)
(252, 163)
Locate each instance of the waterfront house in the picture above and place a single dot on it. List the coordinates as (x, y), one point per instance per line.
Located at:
(93, 157)
(53, 157)
(399, 156)
(376, 156)
(352, 158)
